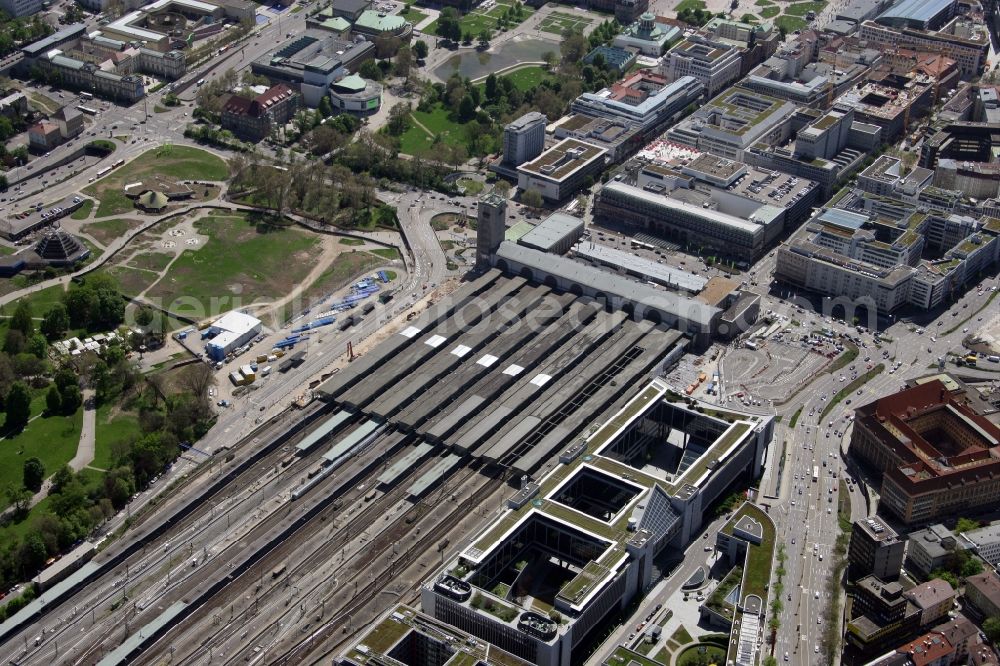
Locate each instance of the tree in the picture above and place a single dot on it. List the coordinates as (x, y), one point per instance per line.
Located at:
(53, 401)
(420, 49)
(484, 38)
(399, 119)
(33, 474)
(144, 316)
(966, 525)
(37, 346)
(196, 380)
(325, 106)
(748, 18)
(573, 48)
(370, 70)
(403, 62)
(13, 343)
(21, 320)
(492, 88)
(466, 108)
(55, 322)
(532, 198)
(17, 407)
(971, 567)
(946, 576)
(71, 399)
(550, 59)
(991, 627)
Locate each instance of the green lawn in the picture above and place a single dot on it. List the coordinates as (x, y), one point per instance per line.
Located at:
(528, 78)
(770, 12)
(474, 22)
(846, 358)
(790, 23)
(803, 8)
(415, 139)
(51, 439)
(40, 302)
(238, 265)
(133, 281)
(343, 269)
(351, 241)
(689, 5)
(113, 201)
(556, 22)
(692, 656)
(849, 390)
(471, 186)
(180, 162)
(151, 261)
(106, 231)
(413, 16)
(386, 252)
(763, 3)
(112, 428)
(83, 212)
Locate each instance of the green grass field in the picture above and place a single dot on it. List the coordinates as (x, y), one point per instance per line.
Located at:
(111, 428)
(437, 121)
(386, 252)
(351, 241)
(556, 22)
(51, 439)
(83, 212)
(40, 302)
(527, 78)
(343, 269)
(180, 162)
(238, 261)
(689, 5)
(763, 3)
(133, 281)
(475, 22)
(413, 16)
(471, 186)
(790, 23)
(107, 231)
(150, 261)
(769, 12)
(803, 8)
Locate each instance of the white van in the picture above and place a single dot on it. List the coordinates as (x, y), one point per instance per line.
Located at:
(265, 371)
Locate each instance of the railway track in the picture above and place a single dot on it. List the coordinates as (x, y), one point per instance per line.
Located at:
(340, 537)
(364, 595)
(200, 520)
(209, 572)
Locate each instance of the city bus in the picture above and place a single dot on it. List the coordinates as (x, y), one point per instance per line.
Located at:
(87, 110)
(86, 95)
(117, 164)
(815, 473)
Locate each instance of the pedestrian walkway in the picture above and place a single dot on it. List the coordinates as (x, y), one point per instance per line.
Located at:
(85, 449)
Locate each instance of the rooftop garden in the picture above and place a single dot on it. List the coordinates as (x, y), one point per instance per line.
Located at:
(757, 573)
(717, 600)
(503, 611)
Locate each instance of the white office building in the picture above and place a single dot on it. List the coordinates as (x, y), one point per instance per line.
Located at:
(714, 64)
(524, 138)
